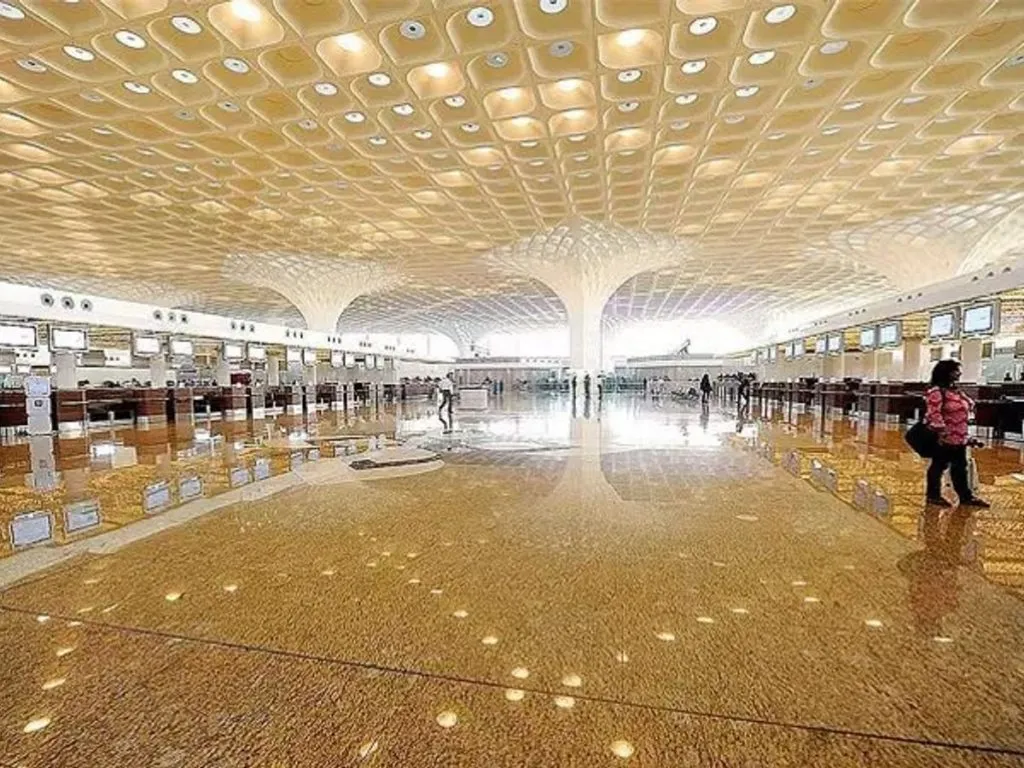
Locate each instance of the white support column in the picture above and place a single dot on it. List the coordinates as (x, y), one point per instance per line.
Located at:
(970, 360)
(869, 365)
(913, 359)
(66, 366)
(309, 375)
(273, 371)
(158, 371)
(223, 372)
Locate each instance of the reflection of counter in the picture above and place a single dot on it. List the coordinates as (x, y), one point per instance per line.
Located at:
(473, 398)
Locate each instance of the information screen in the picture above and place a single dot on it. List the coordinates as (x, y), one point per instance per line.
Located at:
(820, 345)
(867, 338)
(17, 336)
(182, 347)
(337, 359)
(72, 339)
(941, 325)
(350, 360)
(889, 335)
(147, 345)
(835, 343)
(309, 356)
(233, 352)
(293, 356)
(979, 319)
(798, 349)
(257, 354)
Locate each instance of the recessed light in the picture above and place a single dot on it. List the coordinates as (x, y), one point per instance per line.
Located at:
(536, 163)
(913, 99)
(65, 139)
(238, 66)
(630, 37)
(629, 75)
(734, 119)
(102, 131)
(31, 65)
(775, 136)
(480, 16)
(680, 125)
(757, 58)
(326, 89)
(780, 13)
(378, 141)
(832, 130)
(128, 38)
(1016, 60)
(308, 124)
(497, 60)
(456, 101)
(851, 105)
(747, 91)
(694, 67)
(686, 98)
(423, 134)
(470, 127)
(561, 48)
(380, 79)
(833, 46)
(403, 109)
(629, 106)
(184, 76)
(78, 53)
(886, 126)
(227, 106)
(577, 138)
(12, 12)
(703, 26)
(355, 117)
(553, 6)
(812, 82)
(135, 87)
(186, 25)
(437, 70)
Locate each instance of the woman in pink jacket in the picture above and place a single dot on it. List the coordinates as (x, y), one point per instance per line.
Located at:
(948, 412)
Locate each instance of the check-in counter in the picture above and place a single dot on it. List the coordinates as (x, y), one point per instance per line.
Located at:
(70, 410)
(231, 402)
(840, 397)
(330, 396)
(293, 400)
(206, 401)
(806, 393)
(180, 405)
(256, 402)
(105, 404)
(12, 411)
(150, 406)
(895, 403)
(864, 405)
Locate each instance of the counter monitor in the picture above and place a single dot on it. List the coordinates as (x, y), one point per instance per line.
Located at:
(144, 346)
(867, 337)
(835, 343)
(233, 351)
(350, 360)
(293, 356)
(980, 319)
(942, 325)
(257, 354)
(337, 359)
(68, 339)
(889, 335)
(18, 336)
(309, 357)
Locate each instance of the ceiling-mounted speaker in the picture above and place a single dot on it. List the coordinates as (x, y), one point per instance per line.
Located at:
(46, 300)
(412, 30)
(86, 305)
(67, 302)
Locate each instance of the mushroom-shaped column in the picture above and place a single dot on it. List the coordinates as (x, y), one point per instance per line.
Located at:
(464, 334)
(319, 287)
(584, 263)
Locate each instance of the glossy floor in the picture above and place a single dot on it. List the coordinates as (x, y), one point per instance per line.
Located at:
(631, 585)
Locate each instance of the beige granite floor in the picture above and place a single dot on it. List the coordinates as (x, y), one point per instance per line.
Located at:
(628, 588)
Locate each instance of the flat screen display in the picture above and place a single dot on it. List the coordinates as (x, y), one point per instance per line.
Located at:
(820, 345)
(147, 345)
(181, 347)
(18, 336)
(941, 325)
(337, 359)
(773, 352)
(798, 349)
(835, 343)
(71, 339)
(309, 356)
(980, 319)
(867, 338)
(233, 351)
(350, 360)
(257, 354)
(293, 356)
(889, 335)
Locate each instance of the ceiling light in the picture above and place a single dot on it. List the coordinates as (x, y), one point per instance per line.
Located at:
(412, 30)
(326, 89)
(686, 98)
(757, 58)
(352, 43)
(31, 65)
(184, 76)
(734, 119)
(553, 6)
(378, 141)
(568, 85)
(128, 38)
(355, 117)
(747, 91)
(135, 87)
(437, 70)
(79, 54)
(12, 12)
(536, 163)
(775, 136)
(102, 131)
(186, 25)
(680, 125)
(694, 67)
(380, 79)
(238, 66)
(851, 105)
(308, 124)
(629, 75)
(912, 99)
(1016, 60)
(630, 37)
(92, 96)
(227, 106)
(423, 134)
(403, 109)
(886, 126)
(497, 60)
(246, 10)
(561, 49)
(831, 130)
(780, 13)
(480, 16)
(456, 101)
(470, 127)
(703, 26)
(528, 144)
(578, 138)
(629, 106)
(833, 47)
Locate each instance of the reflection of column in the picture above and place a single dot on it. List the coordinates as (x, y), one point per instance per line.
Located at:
(273, 371)
(223, 372)
(309, 375)
(970, 360)
(66, 370)
(913, 359)
(869, 365)
(44, 468)
(158, 371)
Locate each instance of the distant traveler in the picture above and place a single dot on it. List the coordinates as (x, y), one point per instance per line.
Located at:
(447, 387)
(705, 388)
(743, 391)
(947, 415)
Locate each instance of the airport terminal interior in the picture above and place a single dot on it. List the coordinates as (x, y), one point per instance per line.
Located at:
(416, 383)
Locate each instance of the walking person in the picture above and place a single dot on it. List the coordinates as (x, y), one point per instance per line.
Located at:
(705, 389)
(447, 388)
(947, 415)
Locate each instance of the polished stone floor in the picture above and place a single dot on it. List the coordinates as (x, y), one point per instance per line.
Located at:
(640, 583)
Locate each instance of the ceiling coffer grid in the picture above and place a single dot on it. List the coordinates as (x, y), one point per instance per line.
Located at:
(794, 145)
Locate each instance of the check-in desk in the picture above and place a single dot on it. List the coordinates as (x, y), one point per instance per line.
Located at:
(180, 405)
(13, 416)
(839, 397)
(70, 410)
(105, 404)
(330, 396)
(806, 393)
(293, 400)
(256, 402)
(206, 401)
(232, 403)
(150, 406)
(894, 403)
(864, 404)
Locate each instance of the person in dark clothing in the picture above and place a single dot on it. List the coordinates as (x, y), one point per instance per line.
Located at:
(705, 388)
(743, 392)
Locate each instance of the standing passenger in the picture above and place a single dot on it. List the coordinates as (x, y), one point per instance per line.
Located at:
(947, 415)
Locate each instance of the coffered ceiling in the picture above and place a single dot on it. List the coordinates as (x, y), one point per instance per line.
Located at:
(806, 156)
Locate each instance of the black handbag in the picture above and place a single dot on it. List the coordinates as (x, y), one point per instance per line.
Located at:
(923, 440)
